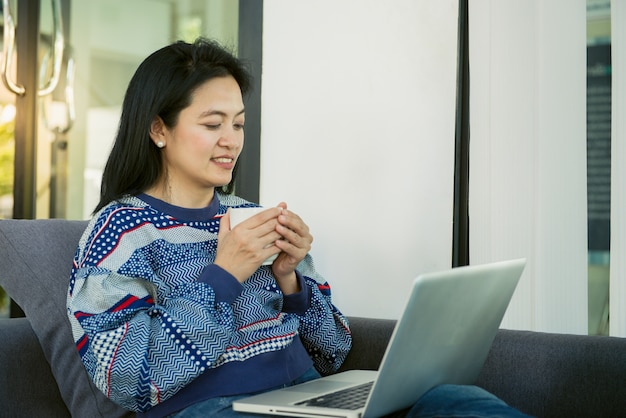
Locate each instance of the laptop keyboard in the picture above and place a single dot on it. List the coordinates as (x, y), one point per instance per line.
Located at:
(351, 398)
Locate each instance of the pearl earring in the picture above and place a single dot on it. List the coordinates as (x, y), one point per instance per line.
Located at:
(160, 144)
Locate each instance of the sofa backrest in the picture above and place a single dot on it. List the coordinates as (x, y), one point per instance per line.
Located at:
(35, 262)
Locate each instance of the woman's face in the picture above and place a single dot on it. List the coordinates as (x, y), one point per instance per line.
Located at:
(201, 150)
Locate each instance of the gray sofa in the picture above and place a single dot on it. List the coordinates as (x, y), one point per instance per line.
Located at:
(546, 375)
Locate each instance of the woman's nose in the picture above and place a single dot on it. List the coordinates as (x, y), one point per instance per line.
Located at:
(231, 138)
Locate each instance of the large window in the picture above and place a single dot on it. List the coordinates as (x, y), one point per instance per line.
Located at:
(58, 172)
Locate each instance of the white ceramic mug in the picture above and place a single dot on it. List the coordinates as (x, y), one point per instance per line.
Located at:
(238, 215)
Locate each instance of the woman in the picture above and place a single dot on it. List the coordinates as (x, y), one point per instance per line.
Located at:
(172, 311)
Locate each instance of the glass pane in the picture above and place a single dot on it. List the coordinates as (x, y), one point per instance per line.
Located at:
(7, 140)
(599, 162)
(7, 154)
(107, 41)
(110, 38)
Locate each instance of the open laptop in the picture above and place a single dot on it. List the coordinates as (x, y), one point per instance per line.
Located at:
(443, 336)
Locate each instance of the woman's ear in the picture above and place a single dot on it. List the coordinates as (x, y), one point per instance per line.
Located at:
(157, 132)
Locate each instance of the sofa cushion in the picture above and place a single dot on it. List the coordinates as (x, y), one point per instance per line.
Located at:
(36, 279)
(558, 375)
(22, 362)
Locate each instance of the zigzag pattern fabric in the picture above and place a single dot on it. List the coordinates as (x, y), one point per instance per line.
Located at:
(150, 313)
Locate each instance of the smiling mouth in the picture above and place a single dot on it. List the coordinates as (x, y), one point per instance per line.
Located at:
(223, 160)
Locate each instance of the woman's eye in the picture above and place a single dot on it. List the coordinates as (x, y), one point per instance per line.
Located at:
(212, 127)
(238, 126)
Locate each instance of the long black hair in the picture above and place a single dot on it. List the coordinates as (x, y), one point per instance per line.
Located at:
(162, 86)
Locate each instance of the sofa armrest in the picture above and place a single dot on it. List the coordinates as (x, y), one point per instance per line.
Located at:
(27, 387)
(370, 337)
(557, 375)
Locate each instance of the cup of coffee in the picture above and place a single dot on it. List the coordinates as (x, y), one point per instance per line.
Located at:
(238, 215)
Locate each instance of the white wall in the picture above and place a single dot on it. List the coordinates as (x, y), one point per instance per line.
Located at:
(358, 125)
(528, 154)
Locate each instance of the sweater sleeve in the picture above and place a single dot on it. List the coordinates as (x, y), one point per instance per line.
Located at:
(141, 343)
(324, 330)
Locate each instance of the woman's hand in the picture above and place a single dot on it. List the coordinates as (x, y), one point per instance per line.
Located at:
(242, 250)
(294, 246)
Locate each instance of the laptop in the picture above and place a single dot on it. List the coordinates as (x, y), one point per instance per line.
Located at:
(443, 336)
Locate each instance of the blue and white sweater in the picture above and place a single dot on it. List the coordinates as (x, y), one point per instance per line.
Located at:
(159, 327)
